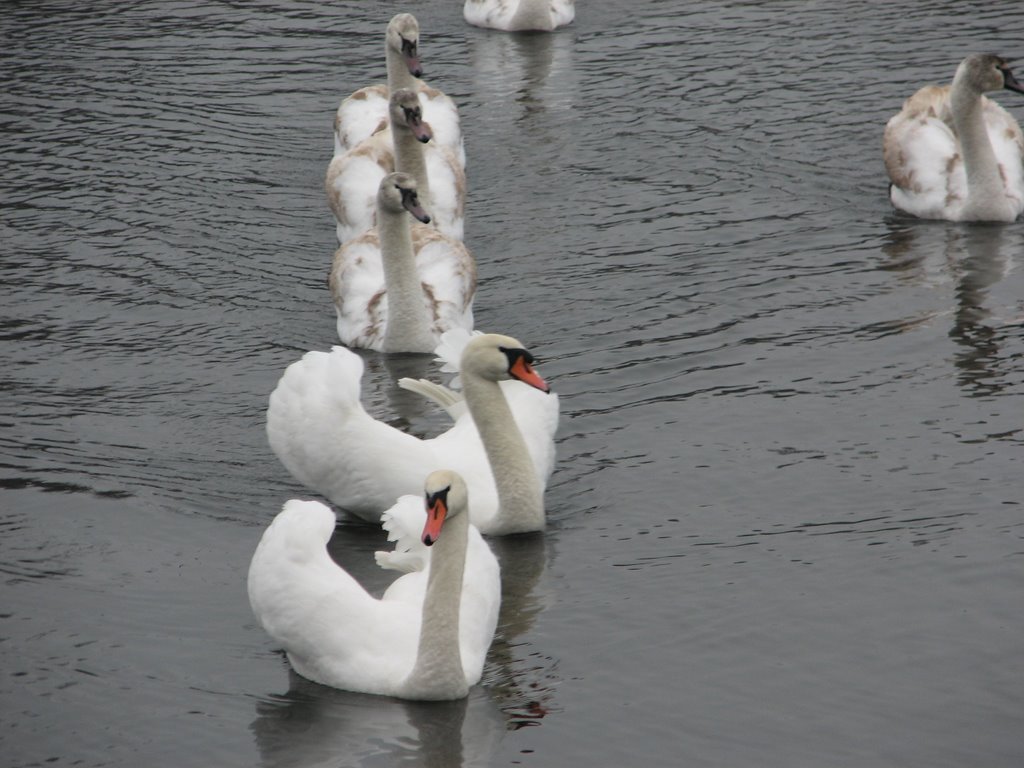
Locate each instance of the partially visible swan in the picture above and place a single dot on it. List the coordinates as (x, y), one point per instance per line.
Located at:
(399, 286)
(352, 178)
(319, 430)
(426, 638)
(519, 15)
(954, 154)
(360, 115)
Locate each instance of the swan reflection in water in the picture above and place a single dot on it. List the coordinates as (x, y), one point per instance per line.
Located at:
(314, 725)
(975, 258)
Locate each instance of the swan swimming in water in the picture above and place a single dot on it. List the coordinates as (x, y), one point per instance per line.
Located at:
(519, 15)
(501, 441)
(360, 115)
(952, 153)
(399, 286)
(425, 638)
(352, 179)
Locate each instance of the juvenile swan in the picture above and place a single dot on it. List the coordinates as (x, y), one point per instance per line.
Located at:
(399, 286)
(954, 154)
(519, 15)
(361, 114)
(426, 638)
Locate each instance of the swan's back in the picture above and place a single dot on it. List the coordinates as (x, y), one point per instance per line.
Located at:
(319, 430)
(519, 15)
(333, 631)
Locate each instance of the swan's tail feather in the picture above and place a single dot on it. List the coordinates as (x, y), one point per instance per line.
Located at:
(404, 524)
(448, 399)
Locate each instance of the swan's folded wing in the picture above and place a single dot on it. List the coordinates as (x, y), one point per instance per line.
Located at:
(443, 116)
(317, 427)
(357, 287)
(447, 272)
(921, 157)
(359, 116)
(1008, 145)
(450, 400)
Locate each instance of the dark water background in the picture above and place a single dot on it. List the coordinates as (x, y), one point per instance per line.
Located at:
(785, 526)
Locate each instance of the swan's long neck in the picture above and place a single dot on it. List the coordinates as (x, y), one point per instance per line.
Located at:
(410, 158)
(399, 75)
(438, 672)
(986, 195)
(520, 499)
(408, 323)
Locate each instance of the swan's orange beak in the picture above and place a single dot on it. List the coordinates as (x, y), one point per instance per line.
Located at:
(437, 508)
(523, 371)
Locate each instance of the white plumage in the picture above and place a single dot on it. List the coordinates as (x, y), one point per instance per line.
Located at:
(519, 15)
(319, 430)
(360, 115)
(951, 153)
(425, 638)
(399, 286)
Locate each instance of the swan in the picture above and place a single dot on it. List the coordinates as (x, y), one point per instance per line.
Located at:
(425, 638)
(397, 287)
(951, 153)
(352, 178)
(319, 430)
(361, 114)
(519, 15)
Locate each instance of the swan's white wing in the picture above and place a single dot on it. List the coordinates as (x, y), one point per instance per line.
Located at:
(309, 605)
(357, 287)
(447, 190)
(359, 116)
(922, 156)
(447, 272)
(502, 14)
(352, 183)
(563, 12)
(404, 524)
(1008, 145)
(443, 116)
(317, 427)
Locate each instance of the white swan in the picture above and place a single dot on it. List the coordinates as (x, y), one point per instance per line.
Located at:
(398, 287)
(426, 638)
(319, 430)
(352, 178)
(951, 153)
(519, 15)
(360, 115)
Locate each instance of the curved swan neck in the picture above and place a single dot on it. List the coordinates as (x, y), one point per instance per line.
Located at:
(985, 191)
(410, 158)
(520, 499)
(438, 672)
(408, 322)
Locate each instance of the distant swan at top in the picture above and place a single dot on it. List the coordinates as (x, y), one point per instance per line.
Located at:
(520, 15)
(360, 115)
(954, 154)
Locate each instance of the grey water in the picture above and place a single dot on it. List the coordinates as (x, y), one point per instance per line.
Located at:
(785, 524)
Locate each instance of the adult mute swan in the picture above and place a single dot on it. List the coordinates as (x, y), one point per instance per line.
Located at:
(352, 178)
(426, 638)
(398, 287)
(954, 154)
(361, 114)
(502, 446)
(519, 15)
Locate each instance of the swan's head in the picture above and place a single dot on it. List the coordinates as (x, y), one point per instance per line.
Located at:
(397, 192)
(404, 107)
(985, 72)
(446, 496)
(404, 36)
(496, 357)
